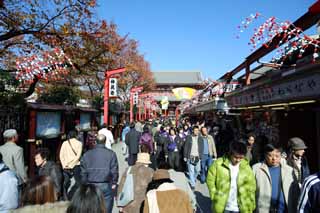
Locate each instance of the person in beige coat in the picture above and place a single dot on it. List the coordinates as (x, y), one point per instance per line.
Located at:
(273, 175)
(142, 176)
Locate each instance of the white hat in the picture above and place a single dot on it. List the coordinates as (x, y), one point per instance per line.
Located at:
(144, 158)
(9, 133)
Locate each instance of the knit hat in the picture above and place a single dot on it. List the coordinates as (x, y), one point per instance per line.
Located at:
(9, 133)
(296, 144)
(161, 174)
(143, 158)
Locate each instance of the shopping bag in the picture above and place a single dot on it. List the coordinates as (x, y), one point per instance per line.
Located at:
(127, 193)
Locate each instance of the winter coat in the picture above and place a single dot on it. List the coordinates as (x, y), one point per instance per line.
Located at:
(13, 157)
(211, 146)
(132, 141)
(99, 165)
(218, 181)
(142, 176)
(299, 174)
(56, 207)
(188, 146)
(168, 199)
(146, 138)
(54, 171)
(263, 180)
(179, 144)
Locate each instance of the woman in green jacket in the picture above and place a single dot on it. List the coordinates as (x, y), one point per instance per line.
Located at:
(231, 182)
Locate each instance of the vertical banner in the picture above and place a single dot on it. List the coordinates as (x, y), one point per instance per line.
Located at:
(113, 87)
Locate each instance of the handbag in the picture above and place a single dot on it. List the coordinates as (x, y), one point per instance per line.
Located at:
(127, 193)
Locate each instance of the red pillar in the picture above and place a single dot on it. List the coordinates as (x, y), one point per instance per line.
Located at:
(106, 99)
(131, 106)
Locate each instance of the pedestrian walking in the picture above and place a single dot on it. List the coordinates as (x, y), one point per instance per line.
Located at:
(70, 154)
(132, 141)
(208, 155)
(297, 160)
(9, 193)
(12, 154)
(99, 167)
(172, 149)
(231, 182)
(146, 139)
(108, 134)
(50, 169)
(91, 138)
(142, 176)
(192, 152)
(309, 201)
(276, 189)
(163, 195)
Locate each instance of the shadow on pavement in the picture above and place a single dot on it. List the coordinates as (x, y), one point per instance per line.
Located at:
(204, 203)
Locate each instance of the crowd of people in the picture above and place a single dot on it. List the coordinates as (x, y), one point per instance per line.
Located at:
(165, 162)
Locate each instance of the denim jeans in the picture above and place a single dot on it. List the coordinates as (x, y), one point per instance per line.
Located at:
(206, 162)
(193, 172)
(107, 194)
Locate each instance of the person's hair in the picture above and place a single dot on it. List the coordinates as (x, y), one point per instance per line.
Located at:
(271, 147)
(132, 125)
(238, 148)
(146, 128)
(101, 139)
(251, 134)
(161, 128)
(164, 165)
(145, 148)
(39, 190)
(88, 198)
(202, 128)
(195, 127)
(43, 152)
(104, 125)
(1, 158)
(172, 129)
(72, 134)
(154, 184)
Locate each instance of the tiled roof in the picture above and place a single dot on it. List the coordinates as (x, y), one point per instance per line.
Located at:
(175, 77)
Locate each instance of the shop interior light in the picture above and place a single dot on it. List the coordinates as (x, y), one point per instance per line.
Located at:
(278, 108)
(302, 102)
(275, 105)
(254, 107)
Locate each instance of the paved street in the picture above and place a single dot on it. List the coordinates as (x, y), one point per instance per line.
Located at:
(201, 192)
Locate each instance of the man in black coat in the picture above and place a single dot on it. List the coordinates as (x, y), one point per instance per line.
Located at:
(132, 141)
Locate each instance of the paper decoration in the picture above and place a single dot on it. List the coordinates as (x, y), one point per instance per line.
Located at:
(291, 36)
(50, 65)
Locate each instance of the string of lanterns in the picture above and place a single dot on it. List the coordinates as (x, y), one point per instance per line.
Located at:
(291, 36)
(50, 65)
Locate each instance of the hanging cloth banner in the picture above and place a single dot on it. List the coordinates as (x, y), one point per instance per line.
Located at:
(185, 93)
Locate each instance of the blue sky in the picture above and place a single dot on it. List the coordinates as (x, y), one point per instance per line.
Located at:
(189, 35)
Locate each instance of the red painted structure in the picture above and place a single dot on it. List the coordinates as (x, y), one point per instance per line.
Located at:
(108, 74)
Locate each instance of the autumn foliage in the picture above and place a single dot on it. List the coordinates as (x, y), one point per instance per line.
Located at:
(31, 27)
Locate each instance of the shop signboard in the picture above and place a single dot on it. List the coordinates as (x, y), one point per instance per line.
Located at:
(308, 86)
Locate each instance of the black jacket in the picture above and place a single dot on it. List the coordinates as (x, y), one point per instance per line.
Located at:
(188, 145)
(132, 141)
(54, 171)
(99, 165)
